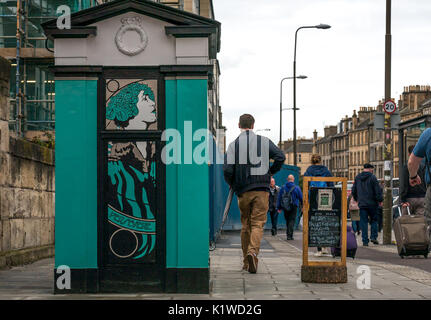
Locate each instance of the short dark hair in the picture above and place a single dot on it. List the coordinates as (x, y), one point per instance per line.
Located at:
(368, 166)
(246, 121)
(411, 147)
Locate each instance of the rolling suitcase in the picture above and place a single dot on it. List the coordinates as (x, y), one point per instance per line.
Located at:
(351, 245)
(412, 235)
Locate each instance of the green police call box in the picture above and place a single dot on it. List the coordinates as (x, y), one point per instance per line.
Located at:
(127, 220)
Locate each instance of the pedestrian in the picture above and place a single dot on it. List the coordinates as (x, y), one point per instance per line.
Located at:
(273, 211)
(249, 177)
(318, 170)
(413, 197)
(422, 150)
(354, 213)
(367, 192)
(289, 200)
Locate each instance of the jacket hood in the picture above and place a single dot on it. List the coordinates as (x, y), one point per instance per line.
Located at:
(365, 175)
(318, 171)
(289, 185)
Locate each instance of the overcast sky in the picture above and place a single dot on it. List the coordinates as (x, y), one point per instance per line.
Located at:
(344, 64)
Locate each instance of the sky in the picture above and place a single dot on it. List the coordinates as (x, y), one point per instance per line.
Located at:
(344, 64)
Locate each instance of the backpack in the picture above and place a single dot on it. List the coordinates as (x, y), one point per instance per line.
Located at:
(287, 201)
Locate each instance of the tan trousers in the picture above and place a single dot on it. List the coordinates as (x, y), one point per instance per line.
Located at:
(253, 206)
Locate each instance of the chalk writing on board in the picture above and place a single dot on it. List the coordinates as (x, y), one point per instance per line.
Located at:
(324, 229)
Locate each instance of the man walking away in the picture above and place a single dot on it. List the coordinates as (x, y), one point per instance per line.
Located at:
(413, 197)
(273, 212)
(247, 172)
(289, 200)
(367, 192)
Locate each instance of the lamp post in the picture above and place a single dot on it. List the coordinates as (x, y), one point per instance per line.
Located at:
(320, 26)
(281, 103)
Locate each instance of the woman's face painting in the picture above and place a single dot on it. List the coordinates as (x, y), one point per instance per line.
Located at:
(146, 112)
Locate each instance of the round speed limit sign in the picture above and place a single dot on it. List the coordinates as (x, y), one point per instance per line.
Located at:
(390, 107)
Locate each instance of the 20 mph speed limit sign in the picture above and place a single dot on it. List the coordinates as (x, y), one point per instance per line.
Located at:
(390, 107)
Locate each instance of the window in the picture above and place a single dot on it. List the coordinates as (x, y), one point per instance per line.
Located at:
(197, 6)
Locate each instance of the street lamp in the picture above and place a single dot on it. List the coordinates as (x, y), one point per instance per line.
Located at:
(281, 102)
(320, 26)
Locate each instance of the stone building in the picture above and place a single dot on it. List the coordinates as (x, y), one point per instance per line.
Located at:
(340, 147)
(345, 148)
(27, 191)
(323, 146)
(304, 151)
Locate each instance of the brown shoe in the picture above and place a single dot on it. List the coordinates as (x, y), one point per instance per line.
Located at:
(252, 262)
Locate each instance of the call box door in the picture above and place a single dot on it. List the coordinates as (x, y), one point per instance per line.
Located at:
(132, 180)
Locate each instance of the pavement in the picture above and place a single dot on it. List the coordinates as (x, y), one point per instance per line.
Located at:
(278, 276)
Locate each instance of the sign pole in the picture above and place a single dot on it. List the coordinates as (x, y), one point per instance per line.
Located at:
(387, 206)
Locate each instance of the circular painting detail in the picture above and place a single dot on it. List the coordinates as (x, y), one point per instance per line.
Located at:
(131, 25)
(123, 243)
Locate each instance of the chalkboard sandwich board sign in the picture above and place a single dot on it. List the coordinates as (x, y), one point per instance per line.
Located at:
(325, 225)
(324, 217)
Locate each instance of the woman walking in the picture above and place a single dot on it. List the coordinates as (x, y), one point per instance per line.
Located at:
(318, 170)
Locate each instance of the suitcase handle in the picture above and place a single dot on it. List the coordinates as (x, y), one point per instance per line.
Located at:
(400, 211)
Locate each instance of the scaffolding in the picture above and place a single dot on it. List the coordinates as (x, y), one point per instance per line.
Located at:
(23, 43)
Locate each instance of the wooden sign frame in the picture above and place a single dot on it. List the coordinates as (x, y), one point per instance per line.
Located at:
(305, 247)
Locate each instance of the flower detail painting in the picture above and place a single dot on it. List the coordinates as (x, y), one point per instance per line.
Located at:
(131, 194)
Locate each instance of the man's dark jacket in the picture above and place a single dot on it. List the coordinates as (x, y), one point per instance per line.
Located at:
(273, 196)
(366, 190)
(238, 165)
(406, 190)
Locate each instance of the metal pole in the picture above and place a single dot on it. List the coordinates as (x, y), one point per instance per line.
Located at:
(281, 111)
(294, 100)
(387, 209)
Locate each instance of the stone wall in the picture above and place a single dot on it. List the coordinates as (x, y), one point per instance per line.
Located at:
(27, 191)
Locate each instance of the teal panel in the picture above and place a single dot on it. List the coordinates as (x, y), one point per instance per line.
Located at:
(171, 181)
(76, 174)
(187, 184)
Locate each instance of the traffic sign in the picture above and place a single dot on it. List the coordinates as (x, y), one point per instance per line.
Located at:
(389, 107)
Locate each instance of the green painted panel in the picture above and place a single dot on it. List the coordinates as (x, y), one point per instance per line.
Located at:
(187, 184)
(76, 174)
(171, 181)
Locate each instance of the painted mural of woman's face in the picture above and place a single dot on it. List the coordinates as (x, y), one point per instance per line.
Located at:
(146, 113)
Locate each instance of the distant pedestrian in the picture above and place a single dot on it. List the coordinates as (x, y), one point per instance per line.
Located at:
(413, 197)
(422, 150)
(318, 170)
(367, 192)
(250, 180)
(273, 212)
(354, 214)
(289, 200)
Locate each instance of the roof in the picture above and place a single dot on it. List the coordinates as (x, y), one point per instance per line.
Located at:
(198, 25)
(426, 103)
(303, 148)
